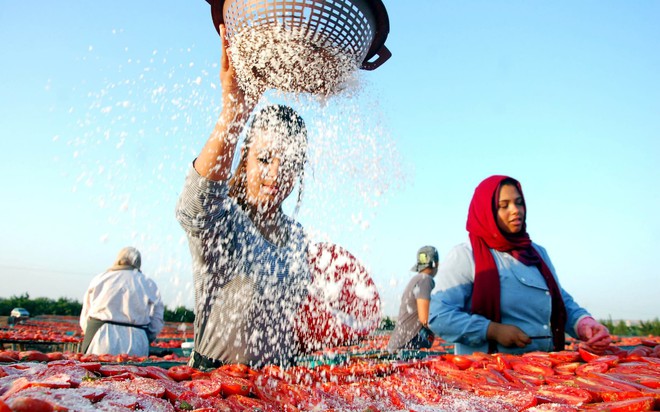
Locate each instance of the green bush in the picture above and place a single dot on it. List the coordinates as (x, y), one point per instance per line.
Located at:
(71, 307)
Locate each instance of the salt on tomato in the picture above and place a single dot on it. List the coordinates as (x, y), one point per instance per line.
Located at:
(250, 404)
(26, 404)
(146, 386)
(205, 388)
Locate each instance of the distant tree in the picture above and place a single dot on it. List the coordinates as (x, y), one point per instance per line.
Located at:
(22, 301)
(621, 329)
(387, 323)
(179, 314)
(651, 327)
(72, 307)
(66, 307)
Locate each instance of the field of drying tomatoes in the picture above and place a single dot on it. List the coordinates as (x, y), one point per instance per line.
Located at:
(357, 378)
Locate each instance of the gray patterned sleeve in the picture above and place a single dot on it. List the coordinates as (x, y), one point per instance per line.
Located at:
(201, 203)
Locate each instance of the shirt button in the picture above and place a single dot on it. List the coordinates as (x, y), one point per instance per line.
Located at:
(547, 292)
(545, 327)
(523, 279)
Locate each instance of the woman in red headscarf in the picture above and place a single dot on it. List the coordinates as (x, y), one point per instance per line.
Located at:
(499, 292)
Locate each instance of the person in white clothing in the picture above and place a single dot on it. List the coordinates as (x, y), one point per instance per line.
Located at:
(122, 309)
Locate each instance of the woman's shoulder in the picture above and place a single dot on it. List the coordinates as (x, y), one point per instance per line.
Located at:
(456, 268)
(463, 250)
(458, 256)
(542, 251)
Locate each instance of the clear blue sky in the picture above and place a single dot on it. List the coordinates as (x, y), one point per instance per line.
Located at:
(105, 104)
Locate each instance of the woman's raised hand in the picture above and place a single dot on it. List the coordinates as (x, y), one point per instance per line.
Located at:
(214, 161)
(234, 98)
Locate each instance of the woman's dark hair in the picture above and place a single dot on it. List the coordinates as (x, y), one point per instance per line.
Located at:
(278, 117)
(288, 124)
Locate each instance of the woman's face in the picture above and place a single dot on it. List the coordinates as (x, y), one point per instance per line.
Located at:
(271, 171)
(510, 210)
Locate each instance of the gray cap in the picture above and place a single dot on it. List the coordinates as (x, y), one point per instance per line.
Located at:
(427, 257)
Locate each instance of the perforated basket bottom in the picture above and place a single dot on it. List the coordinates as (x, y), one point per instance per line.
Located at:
(275, 57)
(347, 23)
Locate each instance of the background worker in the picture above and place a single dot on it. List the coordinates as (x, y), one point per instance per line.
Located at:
(122, 309)
(411, 331)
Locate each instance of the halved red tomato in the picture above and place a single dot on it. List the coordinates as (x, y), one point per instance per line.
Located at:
(532, 368)
(521, 400)
(188, 400)
(181, 372)
(442, 365)
(629, 405)
(91, 366)
(155, 372)
(33, 356)
(239, 370)
(204, 387)
(54, 356)
(232, 385)
(251, 404)
(649, 342)
(6, 358)
(588, 368)
(611, 360)
(523, 379)
(146, 386)
(567, 380)
(552, 407)
(25, 404)
(563, 394)
(112, 370)
(565, 356)
(501, 362)
(463, 362)
(586, 355)
(616, 382)
(614, 396)
(567, 368)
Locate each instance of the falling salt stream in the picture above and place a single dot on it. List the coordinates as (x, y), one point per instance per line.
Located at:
(154, 127)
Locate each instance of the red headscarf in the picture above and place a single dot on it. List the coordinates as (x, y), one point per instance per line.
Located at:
(486, 235)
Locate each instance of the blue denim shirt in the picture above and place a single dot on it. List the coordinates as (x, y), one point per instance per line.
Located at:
(525, 302)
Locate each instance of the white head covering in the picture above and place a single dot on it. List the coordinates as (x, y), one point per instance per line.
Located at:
(129, 257)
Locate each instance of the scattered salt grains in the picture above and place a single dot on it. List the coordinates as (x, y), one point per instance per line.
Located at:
(348, 158)
(283, 58)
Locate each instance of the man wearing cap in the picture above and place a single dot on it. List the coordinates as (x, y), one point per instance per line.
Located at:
(411, 331)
